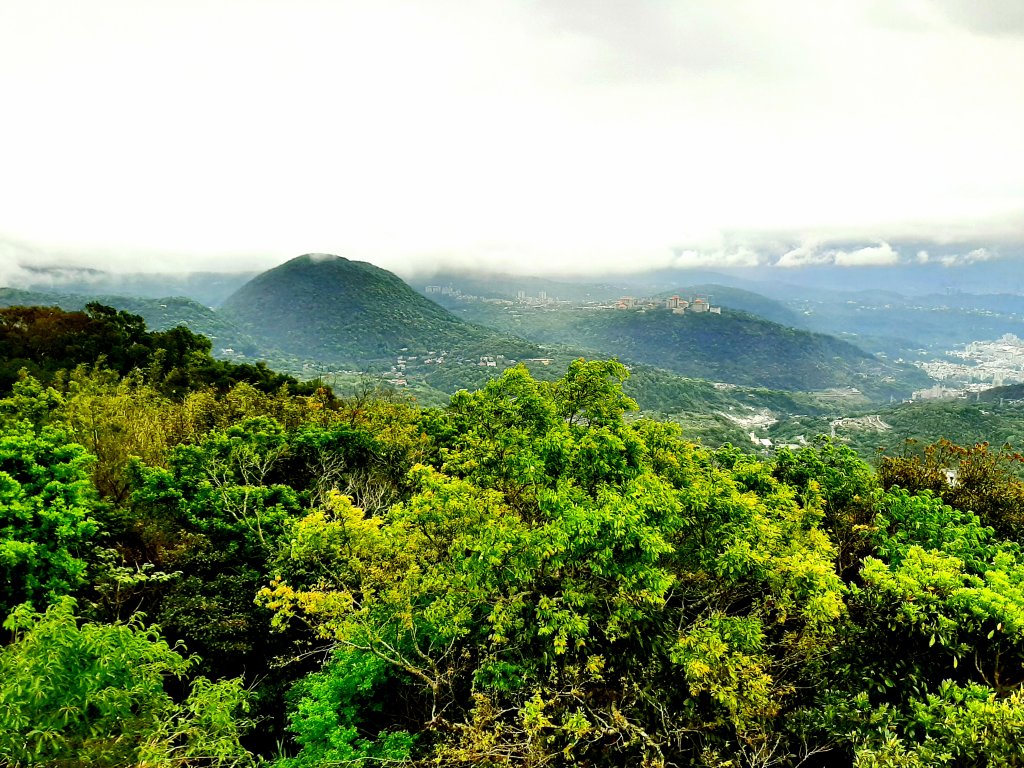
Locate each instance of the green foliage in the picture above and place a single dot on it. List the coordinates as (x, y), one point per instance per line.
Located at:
(941, 573)
(531, 575)
(45, 340)
(93, 694)
(46, 506)
(929, 675)
(545, 593)
(331, 309)
(116, 419)
(224, 500)
(333, 710)
(977, 479)
(847, 487)
(956, 726)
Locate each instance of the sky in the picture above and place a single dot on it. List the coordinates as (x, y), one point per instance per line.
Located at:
(522, 135)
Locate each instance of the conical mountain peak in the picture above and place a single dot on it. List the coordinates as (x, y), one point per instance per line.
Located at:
(330, 308)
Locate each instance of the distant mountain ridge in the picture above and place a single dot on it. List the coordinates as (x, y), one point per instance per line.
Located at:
(327, 310)
(207, 288)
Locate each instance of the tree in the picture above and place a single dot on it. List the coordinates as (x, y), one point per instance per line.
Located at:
(93, 694)
(46, 515)
(929, 672)
(977, 479)
(846, 486)
(568, 588)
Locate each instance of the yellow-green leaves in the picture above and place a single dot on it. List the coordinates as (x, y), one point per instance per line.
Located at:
(724, 657)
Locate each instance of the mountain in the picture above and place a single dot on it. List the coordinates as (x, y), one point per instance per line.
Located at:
(734, 347)
(334, 310)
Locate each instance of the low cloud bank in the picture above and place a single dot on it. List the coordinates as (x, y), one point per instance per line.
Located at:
(846, 255)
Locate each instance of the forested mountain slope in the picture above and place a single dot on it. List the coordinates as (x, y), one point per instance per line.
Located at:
(335, 310)
(733, 347)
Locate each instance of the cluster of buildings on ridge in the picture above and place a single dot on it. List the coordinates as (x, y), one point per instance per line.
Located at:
(677, 305)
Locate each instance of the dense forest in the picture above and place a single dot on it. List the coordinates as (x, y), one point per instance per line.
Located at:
(734, 346)
(204, 564)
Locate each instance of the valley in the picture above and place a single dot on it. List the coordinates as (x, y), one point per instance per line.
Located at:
(726, 363)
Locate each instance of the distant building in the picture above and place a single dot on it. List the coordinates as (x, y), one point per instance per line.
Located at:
(938, 392)
(677, 305)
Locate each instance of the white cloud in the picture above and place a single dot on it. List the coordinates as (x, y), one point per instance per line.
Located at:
(558, 129)
(979, 254)
(804, 256)
(971, 257)
(718, 259)
(880, 255)
(813, 254)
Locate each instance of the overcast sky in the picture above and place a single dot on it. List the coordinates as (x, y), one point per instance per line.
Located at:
(530, 134)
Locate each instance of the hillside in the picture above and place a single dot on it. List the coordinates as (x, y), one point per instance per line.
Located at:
(738, 348)
(742, 300)
(734, 347)
(902, 428)
(901, 326)
(330, 309)
(160, 315)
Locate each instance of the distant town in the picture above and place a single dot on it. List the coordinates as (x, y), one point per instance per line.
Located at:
(978, 366)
